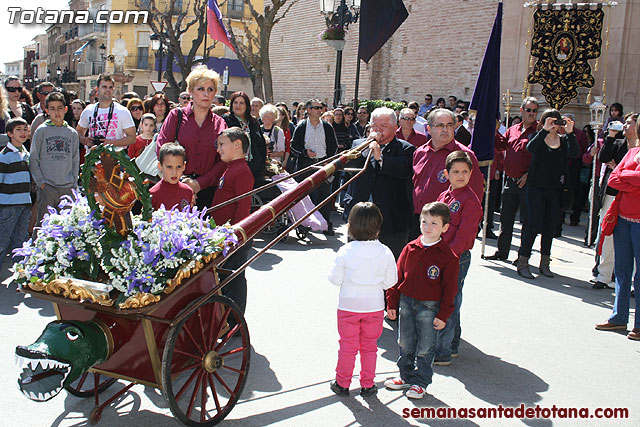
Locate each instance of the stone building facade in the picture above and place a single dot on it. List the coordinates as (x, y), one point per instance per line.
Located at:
(439, 49)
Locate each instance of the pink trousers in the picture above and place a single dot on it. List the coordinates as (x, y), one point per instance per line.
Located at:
(359, 332)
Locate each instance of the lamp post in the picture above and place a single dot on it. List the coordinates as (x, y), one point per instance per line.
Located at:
(48, 74)
(103, 55)
(156, 46)
(597, 110)
(58, 72)
(340, 18)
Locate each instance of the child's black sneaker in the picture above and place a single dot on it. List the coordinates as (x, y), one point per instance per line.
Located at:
(337, 389)
(368, 391)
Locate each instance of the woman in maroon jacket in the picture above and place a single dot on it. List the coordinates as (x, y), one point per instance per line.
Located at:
(626, 242)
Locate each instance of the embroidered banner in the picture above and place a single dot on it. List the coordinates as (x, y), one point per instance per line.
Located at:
(564, 41)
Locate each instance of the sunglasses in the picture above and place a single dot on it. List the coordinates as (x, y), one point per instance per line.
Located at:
(185, 97)
(348, 114)
(409, 119)
(136, 108)
(15, 89)
(531, 110)
(44, 93)
(316, 107)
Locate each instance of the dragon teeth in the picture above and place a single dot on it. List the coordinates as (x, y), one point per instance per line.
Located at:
(40, 396)
(32, 395)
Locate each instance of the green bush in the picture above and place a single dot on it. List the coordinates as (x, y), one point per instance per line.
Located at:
(372, 104)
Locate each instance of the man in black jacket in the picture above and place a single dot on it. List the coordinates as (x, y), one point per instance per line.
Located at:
(387, 180)
(314, 140)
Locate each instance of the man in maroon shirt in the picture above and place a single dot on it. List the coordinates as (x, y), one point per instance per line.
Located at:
(516, 166)
(407, 132)
(429, 179)
(237, 179)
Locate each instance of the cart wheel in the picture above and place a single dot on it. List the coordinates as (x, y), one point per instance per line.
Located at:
(95, 416)
(85, 385)
(205, 363)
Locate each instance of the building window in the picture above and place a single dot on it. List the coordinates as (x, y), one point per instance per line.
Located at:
(143, 58)
(235, 9)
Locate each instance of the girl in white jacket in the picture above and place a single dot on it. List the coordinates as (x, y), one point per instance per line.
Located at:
(363, 268)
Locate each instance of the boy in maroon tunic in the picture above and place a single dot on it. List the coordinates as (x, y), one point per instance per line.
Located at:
(237, 179)
(170, 191)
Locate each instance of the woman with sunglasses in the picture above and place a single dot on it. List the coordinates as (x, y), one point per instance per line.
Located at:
(4, 114)
(159, 106)
(16, 108)
(240, 116)
(136, 108)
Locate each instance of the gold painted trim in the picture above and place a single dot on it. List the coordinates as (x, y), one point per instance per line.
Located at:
(184, 273)
(485, 163)
(153, 349)
(313, 183)
(139, 300)
(241, 230)
(270, 209)
(67, 289)
(331, 168)
(108, 335)
(56, 309)
(123, 377)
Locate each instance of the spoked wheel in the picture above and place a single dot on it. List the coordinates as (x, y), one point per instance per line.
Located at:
(86, 384)
(205, 363)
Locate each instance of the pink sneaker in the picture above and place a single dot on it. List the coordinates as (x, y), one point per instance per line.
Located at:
(396, 384)
(415, 392)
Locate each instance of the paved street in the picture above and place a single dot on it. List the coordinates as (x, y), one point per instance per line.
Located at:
(529, 342)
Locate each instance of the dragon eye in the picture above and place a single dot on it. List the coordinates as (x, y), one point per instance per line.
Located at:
(72, 335)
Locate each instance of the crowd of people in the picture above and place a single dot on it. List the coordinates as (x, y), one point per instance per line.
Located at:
(418, 205)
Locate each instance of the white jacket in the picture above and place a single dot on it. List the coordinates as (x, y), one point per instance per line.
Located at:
(363, 269)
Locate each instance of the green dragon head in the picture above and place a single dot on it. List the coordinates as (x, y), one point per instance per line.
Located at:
(64, 351)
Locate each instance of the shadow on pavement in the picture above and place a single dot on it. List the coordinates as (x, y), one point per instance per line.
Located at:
(260, 378)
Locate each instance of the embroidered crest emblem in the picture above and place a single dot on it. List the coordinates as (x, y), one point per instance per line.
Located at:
(433, 272)
(442, 178)
(455, 206)
(221, 183)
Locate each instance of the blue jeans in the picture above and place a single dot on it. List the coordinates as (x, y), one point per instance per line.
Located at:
(449, 337)
(626, 244)
(417, 340)
(14, 223)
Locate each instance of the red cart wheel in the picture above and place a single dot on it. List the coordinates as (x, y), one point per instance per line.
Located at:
(85, 385)
(205, 363)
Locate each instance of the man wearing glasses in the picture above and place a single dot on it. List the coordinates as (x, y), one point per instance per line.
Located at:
(41, 91)
(516, 165)
(407, 132)
(184, 99)
(429, 179)
(428, 104)
(362, 122)
(313, 141)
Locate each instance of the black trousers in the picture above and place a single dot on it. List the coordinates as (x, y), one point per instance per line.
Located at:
(513, 198)
(545, 211)
(494, 192)
(395, 241)
(237, 288)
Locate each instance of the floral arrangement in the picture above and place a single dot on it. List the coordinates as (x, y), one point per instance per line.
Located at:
(74, 243)
(333, 32)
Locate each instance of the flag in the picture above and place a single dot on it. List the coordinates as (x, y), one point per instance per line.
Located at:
(486, 95)
(379, 19)
(215, 27)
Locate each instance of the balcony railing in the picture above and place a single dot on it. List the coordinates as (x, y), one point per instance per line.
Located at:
(90, 68)
(133, 62)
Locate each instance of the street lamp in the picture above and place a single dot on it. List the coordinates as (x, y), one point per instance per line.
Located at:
(48, 74)
(103, 55)
(597, 110)
(341, 18)
(156, 46)
(58, 72)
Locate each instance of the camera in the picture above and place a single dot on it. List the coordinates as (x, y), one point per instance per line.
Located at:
(617, 126)
(97, 140)
(560, 122)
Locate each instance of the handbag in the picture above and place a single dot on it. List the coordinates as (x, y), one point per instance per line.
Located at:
(609, 221)
(147, 161)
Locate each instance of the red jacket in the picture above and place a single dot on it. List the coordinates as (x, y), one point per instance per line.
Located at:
(427, 274)
(428, 173)
(466, 213)
(626, 178)
(237, 179)
(170, 195)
